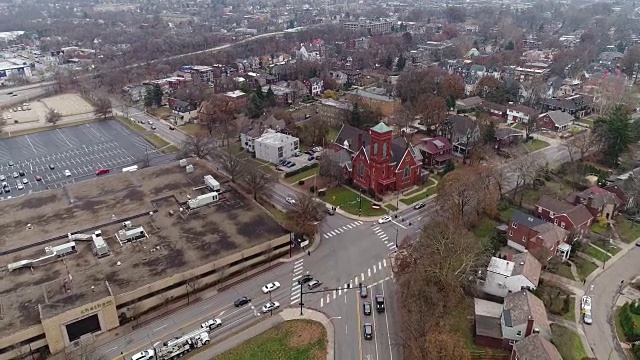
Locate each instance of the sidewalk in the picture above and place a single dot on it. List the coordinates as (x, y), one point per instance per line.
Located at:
(266, 324)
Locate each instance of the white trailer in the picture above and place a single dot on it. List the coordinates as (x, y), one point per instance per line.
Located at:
(178, 347)
(212, 183)
(99, 246)
(61, 250)
(203, 200)
(131, 234)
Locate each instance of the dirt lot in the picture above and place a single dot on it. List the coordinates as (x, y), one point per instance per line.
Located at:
(175, 244)
(68, 104)
(37, 113)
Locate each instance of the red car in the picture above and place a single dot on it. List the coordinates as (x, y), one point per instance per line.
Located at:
(102, 172)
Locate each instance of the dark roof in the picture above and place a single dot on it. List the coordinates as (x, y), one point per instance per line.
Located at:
(471, 101)
(600, 197)
(527, 266)
(526, 110)
(573, 102)
(348, 137)
(560, 118)
(551, 204)
(494, 106)
(398, 148)
(579, 215)
(527, 220)
(536, 347)
(462, 125)
(503, 133)
(521, 305)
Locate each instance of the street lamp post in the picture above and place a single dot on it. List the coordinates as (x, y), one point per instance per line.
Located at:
(301, 303)
(397, 237)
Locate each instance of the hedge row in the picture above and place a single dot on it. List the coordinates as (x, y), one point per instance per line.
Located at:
(300, 170)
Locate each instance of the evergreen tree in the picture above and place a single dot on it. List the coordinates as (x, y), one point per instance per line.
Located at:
(402, 62)
(489, 132)
(388, 63)
(259, 92)
(510, 45)
(616, 132)
(355, 119)
(451, 102)
(255, 108)
(153, 96)
(449, 166)
(269, 98)
(475, 44)
(620, 47)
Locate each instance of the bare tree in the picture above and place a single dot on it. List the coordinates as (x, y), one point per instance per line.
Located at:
(232, 165)
(330, 167)
(3, 123)
(257, 181)
(52, 117)
(305, 214)
(572, 149)
(199, 145)
(584, 142)
(103, 108)
(466, 193)
(525, 169)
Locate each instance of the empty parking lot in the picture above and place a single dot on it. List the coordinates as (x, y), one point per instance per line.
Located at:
(81, 149)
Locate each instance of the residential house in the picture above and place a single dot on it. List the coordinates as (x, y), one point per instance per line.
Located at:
(353, 77)
(534, 347)
(505, 276)
(529, 233)
(314, 86)
(495, 110)
(274, 146)
(284, 96)
(135, 93)
(299, 90)
(506, 137)
(333, 112)
(313, 51)
(462, 131)
(238, 97)
(561, 213)
(339, 76)
(599, 202)
(503, 325)
(626, 187)
(469, 103)
(380, 163)
(375, 98)
(435, 151)
(250, 133)
(180, 106)
(576, 105)
(521, 114)
(555, 120)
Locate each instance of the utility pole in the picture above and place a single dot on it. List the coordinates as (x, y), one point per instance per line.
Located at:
(301, 303)
(397, 238)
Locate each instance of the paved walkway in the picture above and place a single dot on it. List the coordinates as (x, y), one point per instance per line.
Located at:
(266, 324)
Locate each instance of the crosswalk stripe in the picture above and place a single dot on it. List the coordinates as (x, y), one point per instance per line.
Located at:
(390, 244)
(369, 272)
(328, 298)
(325, 236)
(299, 261)
(295, 297)
(374, 269)
(384, 262)
(297, 277)
(343, 228)
(321, 302)
(334, 295)
(393, 247)
(384, 238)
(349, 226)
(362, 276)
(359, 222)
(339, 291)
(379, 265)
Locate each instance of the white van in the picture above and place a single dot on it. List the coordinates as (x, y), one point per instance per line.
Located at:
(130, 168)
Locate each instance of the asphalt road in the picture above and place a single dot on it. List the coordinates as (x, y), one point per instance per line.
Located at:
(604, 290)
(81, 149)
(22, 94)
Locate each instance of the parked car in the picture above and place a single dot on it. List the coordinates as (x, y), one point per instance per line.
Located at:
(366, 306)
(25, 181)
(171, 127)
(15, 174)
(67, 173)
(586, 318)
(331, 212)
(51, 166)
(3, 178)
(102, 172)
(211, 324)
(22, 173)
(384, 219)
(144, 355)
(290, 200)
(19, 186)
(270, 287)
(363, 291)
(38, 178)
(291, 164)
(270, 306)
(305, 279)
(241, 301)
(11, 162)
(368, 331)
(310, 158)
(585, 303)
(314, 284)
(419, 206)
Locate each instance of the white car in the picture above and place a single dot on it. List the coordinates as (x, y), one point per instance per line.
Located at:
(144, 355)
(20, 186)
(270, 306)
(290, 200)
(586, 318)
(150, 122)
(211, 324)
(67, 173)
(384, 219)
(585, 304)
(270, 287)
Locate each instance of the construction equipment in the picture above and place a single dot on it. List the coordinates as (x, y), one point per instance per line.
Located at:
(179, 346)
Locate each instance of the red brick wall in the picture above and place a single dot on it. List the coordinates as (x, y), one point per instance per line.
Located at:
(545, 122)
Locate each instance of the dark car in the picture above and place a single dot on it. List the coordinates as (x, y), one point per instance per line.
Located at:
(241, 301)
(419, 206)
(11, 163)
(368, 331)
(21, 173)
(367, 308)
(305, 279)
(363, 291)
(380, 303)
(51, 166)
(314, 284)
(310, 158)
(331, 211)
(38, 178)
(172, 127)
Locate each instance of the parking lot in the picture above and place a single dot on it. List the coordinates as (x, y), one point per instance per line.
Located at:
(82, 150)
(296, 162)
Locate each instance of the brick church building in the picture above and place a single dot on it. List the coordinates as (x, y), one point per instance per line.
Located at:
(378, 161)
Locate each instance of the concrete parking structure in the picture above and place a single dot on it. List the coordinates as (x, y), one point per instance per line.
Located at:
(82, 149)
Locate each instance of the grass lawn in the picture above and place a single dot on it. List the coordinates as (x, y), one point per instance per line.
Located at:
(568, 343)
(420, 196)
(9, 134)
(303, 175)
(291, 340)
(347, 200)
(162, 112)
(333, 134)
(619, 329)
(130, 124)
(536, 144)
(554, 298)
(169, 149)
(391, 207)
(565, 271)
(585, 121)
(192, 129)
(596, 253)
(430, 182)
(598, 229)
(628, 230)
(531, 196)
(584, 267)
(277, 213)
(156, 140)
(233, 148)
(485, 229)
(506, 214)
(571, 314)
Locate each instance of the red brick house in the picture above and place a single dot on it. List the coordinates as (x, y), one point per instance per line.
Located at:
(379, 162)
(568, 216)
(435, 151)
(506, 137)
(598, 201)
(529, 233)
(555, 121)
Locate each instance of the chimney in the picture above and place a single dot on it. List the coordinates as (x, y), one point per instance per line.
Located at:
(589, 201)
(359, 141)
(529, 330)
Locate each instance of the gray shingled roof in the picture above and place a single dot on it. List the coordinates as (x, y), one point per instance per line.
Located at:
(560, 118)
(527, 220)
(528, 266)
(536, 347)
(521, 305)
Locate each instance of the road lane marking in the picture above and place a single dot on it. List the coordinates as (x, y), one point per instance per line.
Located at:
(29, 141)
(160, 328)
(64, 138)
(380, 265)
(386, 319)
(359, 326)
(375, 328)
(362, 277)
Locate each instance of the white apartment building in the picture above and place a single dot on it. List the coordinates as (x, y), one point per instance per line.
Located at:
(273, 146)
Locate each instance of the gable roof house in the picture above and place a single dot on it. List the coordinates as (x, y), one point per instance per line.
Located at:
(555, 120)
(505, 137)
(627, 188)
(517, 272)
(521, 114)
(469, 103)
(561, 213)
(435, 151)
(598, 201)
(462, 131)
(529, 233)
(576, 105)
(534, 347)
(503, 325)
(381, 163)
(250, 133)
